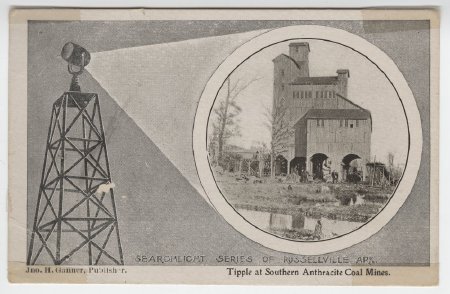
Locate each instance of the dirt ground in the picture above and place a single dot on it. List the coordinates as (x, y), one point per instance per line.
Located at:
(341, 201)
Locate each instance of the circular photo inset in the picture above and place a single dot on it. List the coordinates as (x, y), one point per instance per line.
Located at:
(306, 140)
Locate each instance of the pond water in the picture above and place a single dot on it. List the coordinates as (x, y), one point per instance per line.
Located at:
(275, 222)
(356, 200)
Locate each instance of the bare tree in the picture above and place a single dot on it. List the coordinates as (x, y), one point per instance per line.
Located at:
(280, 129)
(262, 152)
(225, 125)
(212, 146)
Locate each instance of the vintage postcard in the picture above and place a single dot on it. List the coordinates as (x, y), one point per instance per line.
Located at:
(224, 146)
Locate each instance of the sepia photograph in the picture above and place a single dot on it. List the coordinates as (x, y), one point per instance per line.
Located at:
(298, 140)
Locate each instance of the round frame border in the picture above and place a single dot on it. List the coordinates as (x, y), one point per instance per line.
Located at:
(248, 49)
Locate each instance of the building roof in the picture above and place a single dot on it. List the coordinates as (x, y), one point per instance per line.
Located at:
(343, 71)
(282, 56)
(296, 44)
(315, 80)
(234, 148)
(337, 114)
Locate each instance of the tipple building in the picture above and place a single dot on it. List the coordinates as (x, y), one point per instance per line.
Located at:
(329, 132)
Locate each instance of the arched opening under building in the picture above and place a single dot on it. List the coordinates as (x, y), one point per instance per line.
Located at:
(352, 168)
(298, 165)
(281, 165)
(318, 164)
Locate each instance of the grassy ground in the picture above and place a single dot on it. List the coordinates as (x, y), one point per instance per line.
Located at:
(333, 201)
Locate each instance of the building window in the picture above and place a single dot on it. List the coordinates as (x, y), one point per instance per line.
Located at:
(282, 72)
(357, 123)
(341, 123)
(318, 122)
(310, 94)
(351, 125)
(317, 94)
(322, 123)
(346, 123)
(296, 94)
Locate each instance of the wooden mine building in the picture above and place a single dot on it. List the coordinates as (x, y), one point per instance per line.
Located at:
(329, 131)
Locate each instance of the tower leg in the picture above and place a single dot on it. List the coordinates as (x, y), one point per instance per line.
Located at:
(44, 168)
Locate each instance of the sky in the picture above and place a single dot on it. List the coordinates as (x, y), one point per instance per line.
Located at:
(159, 87)
(367, 87)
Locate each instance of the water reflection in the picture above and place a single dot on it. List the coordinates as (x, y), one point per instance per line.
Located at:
(286, 225)
(353, 200)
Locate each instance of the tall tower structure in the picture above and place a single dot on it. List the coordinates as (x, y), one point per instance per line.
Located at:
(75, 221)
(299, 52)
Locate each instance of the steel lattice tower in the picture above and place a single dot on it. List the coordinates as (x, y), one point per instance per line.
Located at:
(75, 219)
